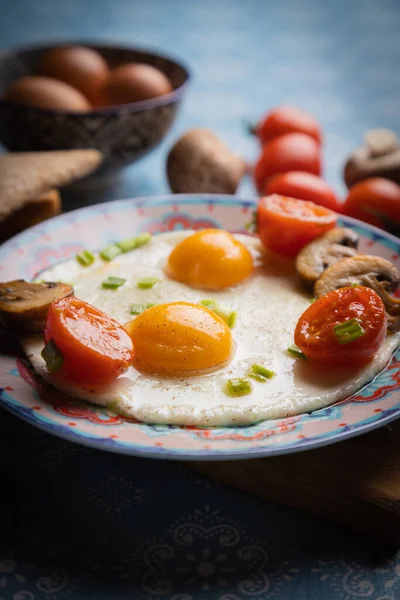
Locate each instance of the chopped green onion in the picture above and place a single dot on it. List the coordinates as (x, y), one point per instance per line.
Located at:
(348, 331)
(226, 314)
(257, 377)
(135, 242)
(52, 356)
(112, 283)
(260, 370)
(147, 282)
(312, 300)
(210, 304)
(110, 252)
(85, 258)
(136, 309)
(252, 226)
(238, 387)
(355, 285)
(295, 352)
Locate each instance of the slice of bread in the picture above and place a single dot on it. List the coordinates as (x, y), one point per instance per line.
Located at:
(25, 176)
(34, 211)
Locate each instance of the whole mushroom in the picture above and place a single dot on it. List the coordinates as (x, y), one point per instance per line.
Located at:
(326, 250)
(379, 156)
(199, 162)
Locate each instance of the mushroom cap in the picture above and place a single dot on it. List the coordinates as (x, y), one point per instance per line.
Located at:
(326, 250)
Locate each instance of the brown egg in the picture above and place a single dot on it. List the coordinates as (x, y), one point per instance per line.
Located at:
(46, 93)
(133, 82)
(83, 68)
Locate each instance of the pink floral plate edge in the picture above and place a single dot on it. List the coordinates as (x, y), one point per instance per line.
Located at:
(21, 393)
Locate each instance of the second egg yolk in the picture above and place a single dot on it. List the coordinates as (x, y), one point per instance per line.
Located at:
(180, 339)
(210, 259)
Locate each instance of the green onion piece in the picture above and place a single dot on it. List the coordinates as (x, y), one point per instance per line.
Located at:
(110, 252)
(312, 300)
(52, 356)
(257, 377)
(251, 227)
(135, 242)
(112, 283)
(238, 387)
(147, 282)
(295, 352)
(355, 285)
(210, 304)
(348, 331)
(136, 309)
(260, 370)
(226, 314)
(85, 258)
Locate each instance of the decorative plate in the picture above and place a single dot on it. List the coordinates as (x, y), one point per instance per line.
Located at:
(25, 255)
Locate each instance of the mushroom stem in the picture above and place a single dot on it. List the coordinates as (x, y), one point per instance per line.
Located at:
(392, 304)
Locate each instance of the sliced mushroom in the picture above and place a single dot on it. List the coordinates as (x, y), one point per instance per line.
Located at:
(323, 252)
(24, 306)
(370, 271)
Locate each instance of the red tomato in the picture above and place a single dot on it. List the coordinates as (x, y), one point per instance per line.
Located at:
(288, 119)
(376, 201)
(315, 331)
(290, 152)
(303, 186)
(285, 225)
(95, 348)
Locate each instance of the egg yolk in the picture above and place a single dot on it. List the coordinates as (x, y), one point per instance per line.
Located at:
(210, 259)
(180, 340)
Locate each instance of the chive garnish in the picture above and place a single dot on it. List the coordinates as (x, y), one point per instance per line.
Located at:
(52, 356)
(210, 304)
(136, 309)
(257, 377)
(251, 227)
(238, 387)
(110, 252)
(135, 242)
(295, 352)
(228, 315)
(112, 283)
(147, 282)
(85, 258)
(348, 331)
(260, 370)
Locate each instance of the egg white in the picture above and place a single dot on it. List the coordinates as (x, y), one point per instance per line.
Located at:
(268, 304)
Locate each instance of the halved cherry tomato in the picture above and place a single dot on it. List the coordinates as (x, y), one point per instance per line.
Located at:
(376, 201)
(303, 186)
(288, 119)
(285, 224)
(290, 152)
(315, 334)
(95, 348)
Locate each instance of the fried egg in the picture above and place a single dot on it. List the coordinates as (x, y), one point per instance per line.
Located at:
(262, 289)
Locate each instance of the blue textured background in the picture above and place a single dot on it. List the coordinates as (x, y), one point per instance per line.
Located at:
(79, 524)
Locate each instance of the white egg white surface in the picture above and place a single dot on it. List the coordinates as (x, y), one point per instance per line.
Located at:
(268, 304)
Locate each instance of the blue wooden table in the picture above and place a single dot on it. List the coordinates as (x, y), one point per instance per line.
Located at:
(80, 524)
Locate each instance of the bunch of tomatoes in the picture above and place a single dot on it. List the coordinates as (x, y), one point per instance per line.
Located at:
(290, 164)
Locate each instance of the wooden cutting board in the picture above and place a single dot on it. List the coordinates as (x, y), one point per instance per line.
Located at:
(355, 483)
